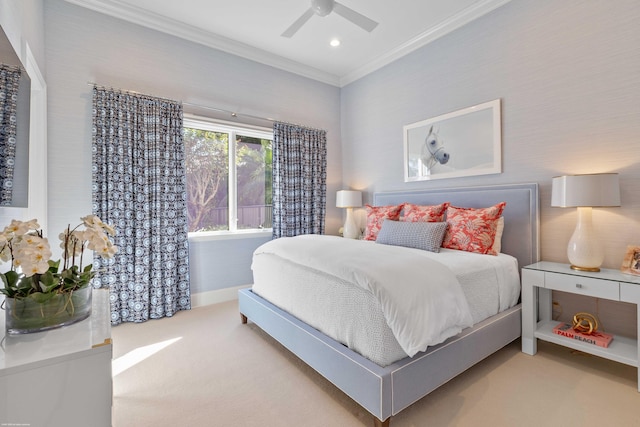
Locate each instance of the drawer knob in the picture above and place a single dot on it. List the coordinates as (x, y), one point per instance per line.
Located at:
(579, 285)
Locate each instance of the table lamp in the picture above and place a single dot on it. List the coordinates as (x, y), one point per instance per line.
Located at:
(584, 192)
(349, 199)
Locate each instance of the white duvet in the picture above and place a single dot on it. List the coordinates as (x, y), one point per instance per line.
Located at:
(421, 299)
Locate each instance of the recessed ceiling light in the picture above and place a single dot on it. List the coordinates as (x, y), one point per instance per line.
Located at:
(335, 43)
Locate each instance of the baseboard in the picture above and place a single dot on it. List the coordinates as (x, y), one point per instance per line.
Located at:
(214, 297)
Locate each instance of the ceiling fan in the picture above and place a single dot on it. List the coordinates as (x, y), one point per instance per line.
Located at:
(325, 7)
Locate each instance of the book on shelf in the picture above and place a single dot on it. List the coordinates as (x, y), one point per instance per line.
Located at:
(598, 338)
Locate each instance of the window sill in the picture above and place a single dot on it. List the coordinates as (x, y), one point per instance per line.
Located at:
(228, 235)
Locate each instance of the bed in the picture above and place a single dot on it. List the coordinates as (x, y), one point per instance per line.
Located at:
(384, 391)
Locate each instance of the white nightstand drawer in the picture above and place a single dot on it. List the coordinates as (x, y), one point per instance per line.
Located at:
(630, 292)
(598, 288)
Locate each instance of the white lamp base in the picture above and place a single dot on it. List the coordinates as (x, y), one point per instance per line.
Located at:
(350, 230)
(584, 251)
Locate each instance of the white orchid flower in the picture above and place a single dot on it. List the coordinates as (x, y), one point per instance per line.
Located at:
(107, 251)
(30, 269)
(92, 221)
(5, 255)
(17, 228)
(33, 224)
(109, 229)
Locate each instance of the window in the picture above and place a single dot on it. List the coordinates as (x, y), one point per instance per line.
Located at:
(228, 176)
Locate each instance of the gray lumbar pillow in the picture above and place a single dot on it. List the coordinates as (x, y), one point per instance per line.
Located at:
(420, 235)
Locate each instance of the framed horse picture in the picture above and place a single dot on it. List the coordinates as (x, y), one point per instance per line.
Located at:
(466, 142)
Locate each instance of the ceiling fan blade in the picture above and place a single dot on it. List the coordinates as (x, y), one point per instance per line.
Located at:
(355, 17)
(289, 32)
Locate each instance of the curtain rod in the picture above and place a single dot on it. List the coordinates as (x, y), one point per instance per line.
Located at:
(133, 92)
(231, 113)
(204, 107)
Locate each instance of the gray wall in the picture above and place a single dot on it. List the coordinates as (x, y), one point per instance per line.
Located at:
(568, 74)
(24, 21)
(83, 46)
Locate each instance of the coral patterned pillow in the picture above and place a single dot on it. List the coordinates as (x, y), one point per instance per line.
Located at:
(376, 216)
(415, 213)
(472, 230)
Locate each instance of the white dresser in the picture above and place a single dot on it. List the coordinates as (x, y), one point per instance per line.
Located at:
(59, 378)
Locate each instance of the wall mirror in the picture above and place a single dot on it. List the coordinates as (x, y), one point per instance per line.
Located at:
(14, 127)
(465, 142)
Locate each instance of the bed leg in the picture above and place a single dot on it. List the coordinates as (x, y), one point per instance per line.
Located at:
(378, 423)
(243, 318)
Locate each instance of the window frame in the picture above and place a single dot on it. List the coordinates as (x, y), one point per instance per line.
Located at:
(232, 129)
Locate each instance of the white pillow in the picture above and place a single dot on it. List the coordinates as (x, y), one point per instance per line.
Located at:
(497, 241)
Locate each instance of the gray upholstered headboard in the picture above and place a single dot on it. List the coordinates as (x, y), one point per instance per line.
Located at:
(521, 217)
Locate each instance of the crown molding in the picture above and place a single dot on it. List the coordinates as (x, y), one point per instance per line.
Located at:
(121, 10)
(170, 26)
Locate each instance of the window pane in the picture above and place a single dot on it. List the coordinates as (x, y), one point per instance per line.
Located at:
(253, 165)
(207, 164)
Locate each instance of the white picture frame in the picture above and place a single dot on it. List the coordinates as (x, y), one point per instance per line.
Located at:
(465, 142)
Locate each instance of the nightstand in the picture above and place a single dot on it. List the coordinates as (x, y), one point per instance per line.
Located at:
(539, 279)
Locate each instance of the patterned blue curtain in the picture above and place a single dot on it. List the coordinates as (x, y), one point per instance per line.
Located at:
(9, 83)
(299, 180)
(139, 188)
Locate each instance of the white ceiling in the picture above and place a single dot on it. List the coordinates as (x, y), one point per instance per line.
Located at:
(252, 29)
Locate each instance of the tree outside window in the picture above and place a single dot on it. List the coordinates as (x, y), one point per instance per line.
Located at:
(224, 198)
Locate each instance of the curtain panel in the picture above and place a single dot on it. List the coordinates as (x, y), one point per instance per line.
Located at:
(9, 84)
(139, 188)
(299, 180)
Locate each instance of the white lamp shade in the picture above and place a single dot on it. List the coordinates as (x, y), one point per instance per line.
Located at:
(596, 190)
(348, 199)
(585, 250)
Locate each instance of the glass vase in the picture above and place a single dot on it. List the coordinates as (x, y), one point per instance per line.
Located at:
(25, 315)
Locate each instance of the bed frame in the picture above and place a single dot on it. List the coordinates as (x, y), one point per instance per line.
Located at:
(384, 392)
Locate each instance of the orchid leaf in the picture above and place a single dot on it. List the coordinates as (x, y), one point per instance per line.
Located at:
(10, 278)
(41, 297)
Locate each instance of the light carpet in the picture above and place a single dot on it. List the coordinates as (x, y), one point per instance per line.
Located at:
(202, 367)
